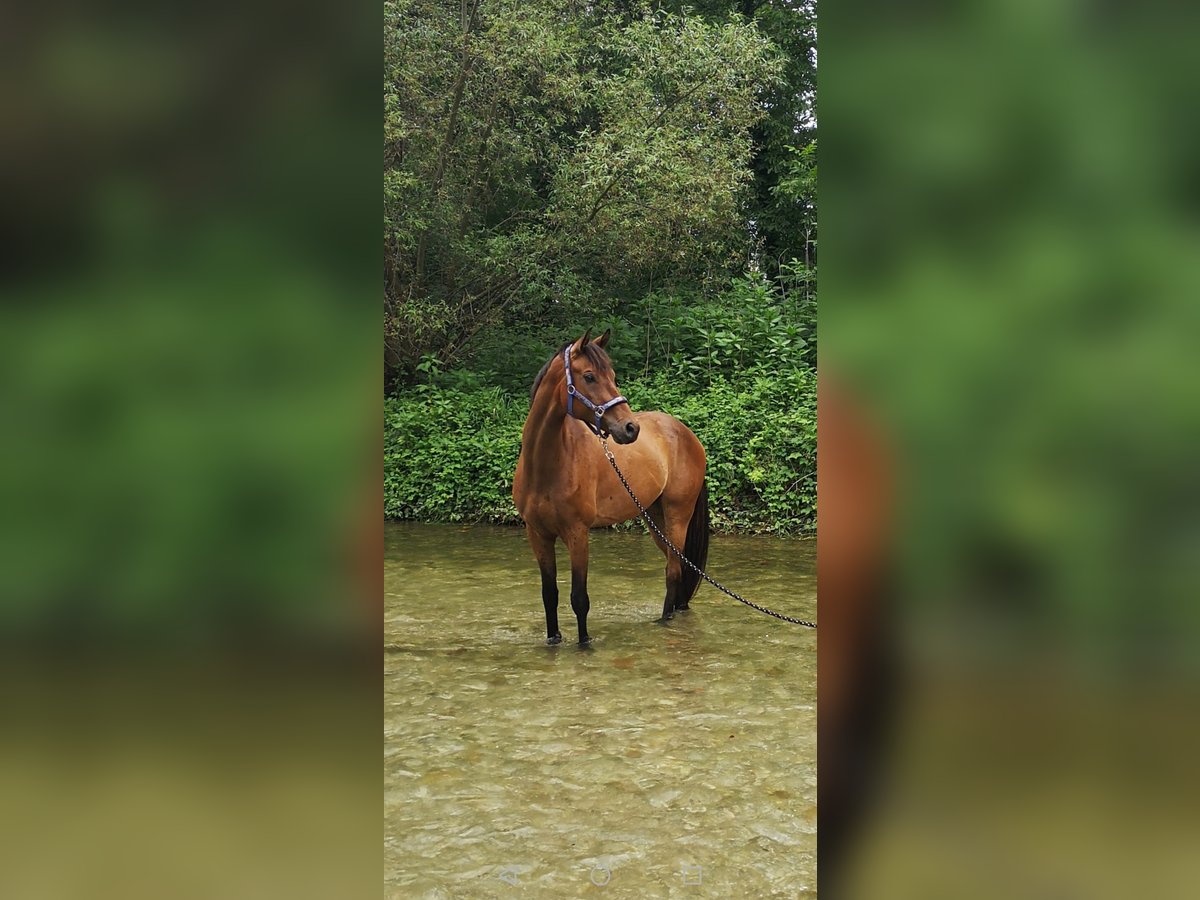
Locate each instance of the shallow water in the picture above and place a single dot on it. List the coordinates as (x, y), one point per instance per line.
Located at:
(659, 757)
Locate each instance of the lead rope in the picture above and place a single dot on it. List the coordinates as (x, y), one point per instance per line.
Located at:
(695, 568)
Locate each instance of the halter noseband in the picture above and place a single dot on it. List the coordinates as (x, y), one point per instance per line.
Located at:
(598, 411)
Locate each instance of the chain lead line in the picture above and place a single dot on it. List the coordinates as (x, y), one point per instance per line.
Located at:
(695, 568)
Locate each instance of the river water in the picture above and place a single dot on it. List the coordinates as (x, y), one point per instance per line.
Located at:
(672, 760)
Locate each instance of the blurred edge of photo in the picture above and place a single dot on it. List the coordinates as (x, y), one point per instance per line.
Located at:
(1009, 501)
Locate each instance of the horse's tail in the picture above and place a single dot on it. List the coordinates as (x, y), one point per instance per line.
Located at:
(695, 546)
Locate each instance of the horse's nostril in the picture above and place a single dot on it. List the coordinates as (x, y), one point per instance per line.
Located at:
(631, 428)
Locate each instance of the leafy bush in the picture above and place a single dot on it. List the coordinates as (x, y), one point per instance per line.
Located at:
(761, 439)
(737, 367)
(450, 453)
(755, 324)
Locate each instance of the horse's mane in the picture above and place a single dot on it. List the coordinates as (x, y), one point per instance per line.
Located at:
(595, 353)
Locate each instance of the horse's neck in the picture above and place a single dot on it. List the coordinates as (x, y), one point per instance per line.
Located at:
(544, 436)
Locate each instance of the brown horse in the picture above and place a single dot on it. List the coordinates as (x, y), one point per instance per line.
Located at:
(564, 485)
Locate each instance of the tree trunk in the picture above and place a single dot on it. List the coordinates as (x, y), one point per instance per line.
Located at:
(460, 83)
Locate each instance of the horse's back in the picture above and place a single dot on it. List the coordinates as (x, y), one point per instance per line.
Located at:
(679, 441)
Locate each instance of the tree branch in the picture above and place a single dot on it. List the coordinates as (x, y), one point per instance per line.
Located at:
(651, 126)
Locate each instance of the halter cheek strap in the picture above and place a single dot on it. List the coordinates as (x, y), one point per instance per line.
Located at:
(598, 411)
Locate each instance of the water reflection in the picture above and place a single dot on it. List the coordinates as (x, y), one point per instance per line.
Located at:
(659, 757)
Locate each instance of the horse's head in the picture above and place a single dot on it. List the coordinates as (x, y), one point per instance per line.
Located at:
(593, 382)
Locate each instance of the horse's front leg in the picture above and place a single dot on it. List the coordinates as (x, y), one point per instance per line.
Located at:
(577, 545)
(543, 550)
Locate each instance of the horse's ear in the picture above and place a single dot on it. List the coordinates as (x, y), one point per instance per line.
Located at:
(581, 343)
(602, 341)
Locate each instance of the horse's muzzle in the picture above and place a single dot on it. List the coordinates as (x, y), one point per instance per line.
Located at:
(626, 432)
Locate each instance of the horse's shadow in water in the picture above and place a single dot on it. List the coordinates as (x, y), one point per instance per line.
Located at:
(563, 484)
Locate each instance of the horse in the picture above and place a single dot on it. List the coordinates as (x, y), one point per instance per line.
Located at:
(564, 486)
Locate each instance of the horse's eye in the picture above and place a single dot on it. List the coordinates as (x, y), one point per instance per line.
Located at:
(589, 377)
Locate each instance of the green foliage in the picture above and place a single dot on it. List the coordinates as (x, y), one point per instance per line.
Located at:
(736, 375)
(552, 166)
(539, 153)
(450, 453)
(756, 323)
(695, 335)
(760, 434)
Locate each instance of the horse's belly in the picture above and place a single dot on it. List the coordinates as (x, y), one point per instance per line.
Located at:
(613, 509)
(613, 503)
(644, 465)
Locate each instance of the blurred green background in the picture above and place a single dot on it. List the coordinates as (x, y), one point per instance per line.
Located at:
(1016, 272)
(1011, 273)
(189, 492)
(188, 363)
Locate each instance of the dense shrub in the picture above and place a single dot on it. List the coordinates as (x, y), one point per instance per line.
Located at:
(753, 324)
(761, 439)
(451, 451)
(736, 366)
(449, 454)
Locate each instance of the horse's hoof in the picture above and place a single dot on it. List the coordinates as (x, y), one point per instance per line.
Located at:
(682, 607)
(667, 618)
(585, 641)
(557, 639)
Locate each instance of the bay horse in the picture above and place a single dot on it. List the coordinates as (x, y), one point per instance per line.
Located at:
(564, 485)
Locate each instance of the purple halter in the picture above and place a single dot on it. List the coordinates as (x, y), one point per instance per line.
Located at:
(598, 411)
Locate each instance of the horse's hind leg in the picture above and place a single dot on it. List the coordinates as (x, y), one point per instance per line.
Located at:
(674, 566)
(577, 544)
(543, 550)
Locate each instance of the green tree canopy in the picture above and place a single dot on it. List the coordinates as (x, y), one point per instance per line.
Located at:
(542, 155)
